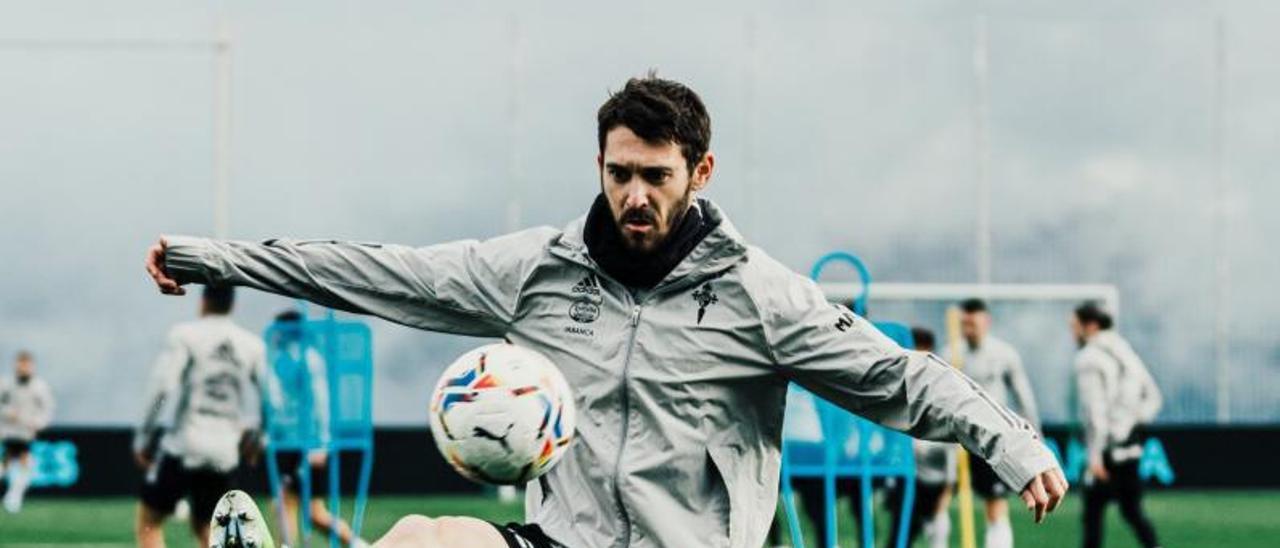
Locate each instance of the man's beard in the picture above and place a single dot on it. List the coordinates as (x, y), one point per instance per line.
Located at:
(636, 246)
(23, 379)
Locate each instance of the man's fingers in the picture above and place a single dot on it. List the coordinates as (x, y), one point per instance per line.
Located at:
(1039, 498)
(1028, 500)
(1057, 489)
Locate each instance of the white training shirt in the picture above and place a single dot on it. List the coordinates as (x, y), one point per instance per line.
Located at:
(997, 368)
(205, 393)
(25, 408)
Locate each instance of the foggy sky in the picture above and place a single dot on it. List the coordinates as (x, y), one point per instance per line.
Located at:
(837, 125)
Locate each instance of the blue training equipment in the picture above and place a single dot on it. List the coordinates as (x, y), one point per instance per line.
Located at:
(346, 348)
(875, 451)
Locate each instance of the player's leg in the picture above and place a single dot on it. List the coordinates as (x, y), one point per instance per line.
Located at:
(148, 526)
(325, 522)
(937, 530)
(1096, 496)
(987, 484)
(1128, 493)
(206, 491)
(924, 509)
(290, 503)
(162, 487)
(442, 532)
(999, 531)
(19, 476)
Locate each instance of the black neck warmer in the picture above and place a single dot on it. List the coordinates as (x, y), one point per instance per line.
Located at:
(641, 270)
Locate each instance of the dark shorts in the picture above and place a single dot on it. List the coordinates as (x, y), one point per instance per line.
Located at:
(168, 482)
(527, 535)
(16, 448)
(985, 481)
(288, 463)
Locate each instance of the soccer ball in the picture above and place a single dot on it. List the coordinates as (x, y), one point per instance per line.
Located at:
(502, 414)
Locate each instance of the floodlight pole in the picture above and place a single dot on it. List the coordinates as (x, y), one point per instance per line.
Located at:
(982, 147)
(1221, 257)
(222, 130)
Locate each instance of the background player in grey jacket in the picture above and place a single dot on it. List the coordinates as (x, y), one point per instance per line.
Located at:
(203, 402)
(996, 366)
(26, 408)
(1116, 396)
(678, 338)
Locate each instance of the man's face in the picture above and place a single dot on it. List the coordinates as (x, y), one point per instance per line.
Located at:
(974, 326)
(648, 186)
(24, 368)
(1078, 330)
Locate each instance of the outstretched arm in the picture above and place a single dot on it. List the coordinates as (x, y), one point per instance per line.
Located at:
(466, 287)
(844, 359)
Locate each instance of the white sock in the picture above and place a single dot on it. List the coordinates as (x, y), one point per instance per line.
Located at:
(19, 479)
(999, 534)
(937, 532)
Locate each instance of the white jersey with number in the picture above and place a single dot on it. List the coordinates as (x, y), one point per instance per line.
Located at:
(25, 408)
(205, 393)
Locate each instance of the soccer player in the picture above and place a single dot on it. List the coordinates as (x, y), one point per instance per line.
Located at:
(677, 337)
(935, 475)
(1117, 396)
(996, 366)
(26, 407)
(290, 461)
(205, 389)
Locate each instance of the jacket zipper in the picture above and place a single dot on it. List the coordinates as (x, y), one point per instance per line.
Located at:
(626, 420)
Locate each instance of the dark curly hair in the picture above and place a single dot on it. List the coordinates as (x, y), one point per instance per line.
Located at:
(658, 111)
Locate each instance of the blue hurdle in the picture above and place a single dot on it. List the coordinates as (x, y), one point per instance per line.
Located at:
(878, 453)
(347, 351)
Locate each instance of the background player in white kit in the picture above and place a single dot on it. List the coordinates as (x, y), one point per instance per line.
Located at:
(996, 366)
(203, 404)
(26, 407)
(1117, 397)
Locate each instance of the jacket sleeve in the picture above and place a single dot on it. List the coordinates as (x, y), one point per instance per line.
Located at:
(1091, 393)
(466, 287)
(844, 359)
(1020, 387)
(165, 376)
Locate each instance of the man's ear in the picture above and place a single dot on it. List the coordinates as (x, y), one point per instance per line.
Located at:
(701, 176)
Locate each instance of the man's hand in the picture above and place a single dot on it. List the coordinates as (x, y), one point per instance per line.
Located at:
(1098, 471)
(1044, 492)
(142, 460)
(155, 268)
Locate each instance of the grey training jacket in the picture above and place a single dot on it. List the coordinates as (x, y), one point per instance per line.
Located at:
(680, 389)
(1115, 390)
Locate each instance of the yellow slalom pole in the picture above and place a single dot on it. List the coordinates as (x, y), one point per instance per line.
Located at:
(968, 535)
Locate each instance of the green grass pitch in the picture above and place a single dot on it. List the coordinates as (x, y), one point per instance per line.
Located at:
(1202, 518)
